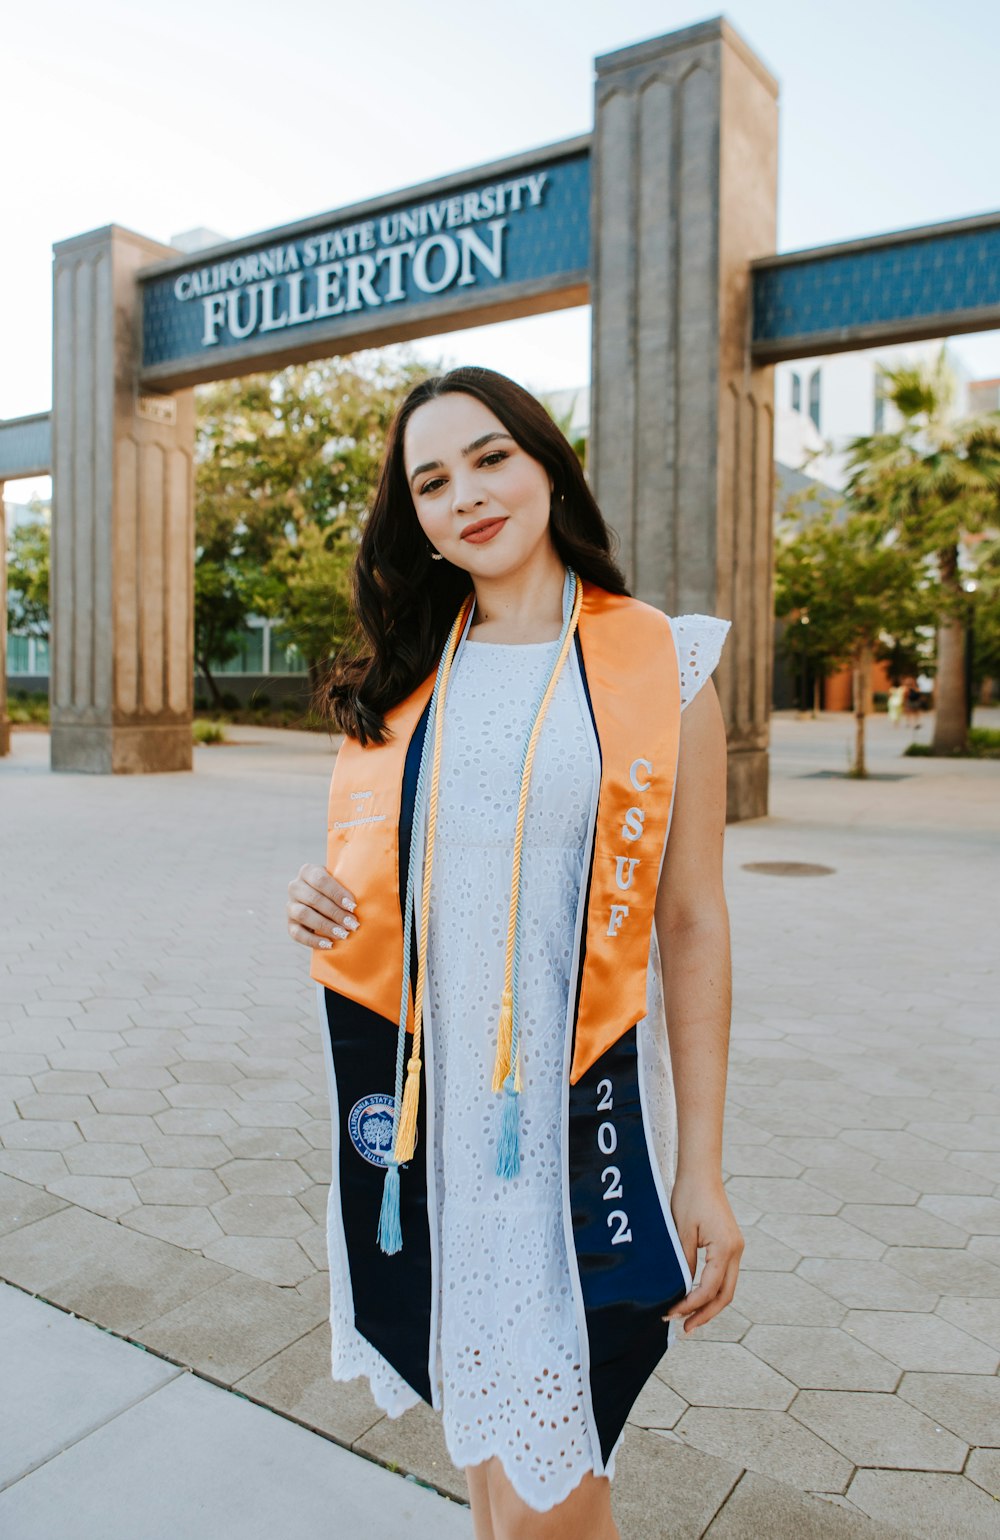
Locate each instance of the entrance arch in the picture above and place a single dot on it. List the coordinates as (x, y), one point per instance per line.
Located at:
(652, 217)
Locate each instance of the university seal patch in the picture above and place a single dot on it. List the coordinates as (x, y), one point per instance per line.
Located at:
(370, 1126)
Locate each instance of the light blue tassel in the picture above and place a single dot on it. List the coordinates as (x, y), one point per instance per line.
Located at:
(390, 1236)
(509, 1143)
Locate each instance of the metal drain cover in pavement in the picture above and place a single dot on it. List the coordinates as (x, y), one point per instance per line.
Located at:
(788, 868)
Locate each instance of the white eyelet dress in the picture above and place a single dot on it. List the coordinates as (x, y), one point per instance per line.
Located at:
(508, 1339)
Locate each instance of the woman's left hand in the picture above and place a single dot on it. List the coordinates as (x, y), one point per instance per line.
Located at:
(704, 1220)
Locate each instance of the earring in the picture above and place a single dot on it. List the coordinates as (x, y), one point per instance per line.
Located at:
(434, 555)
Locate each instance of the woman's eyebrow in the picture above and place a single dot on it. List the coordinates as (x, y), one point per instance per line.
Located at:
(434, 465)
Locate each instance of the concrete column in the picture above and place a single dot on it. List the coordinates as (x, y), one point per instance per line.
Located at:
(122, 525)
(684, 195)
(4, 720)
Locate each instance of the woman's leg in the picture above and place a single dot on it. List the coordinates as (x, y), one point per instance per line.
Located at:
(479, 1501)
(584, 1515)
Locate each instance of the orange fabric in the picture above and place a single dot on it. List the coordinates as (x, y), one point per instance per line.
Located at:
(632, 678)
(362, 852)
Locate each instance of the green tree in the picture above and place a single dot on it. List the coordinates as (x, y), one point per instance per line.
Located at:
(286, 468)
(851, 594)
(984, 612)
(28, 574)
(933, 481)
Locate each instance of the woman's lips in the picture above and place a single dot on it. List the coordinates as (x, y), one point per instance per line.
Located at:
(480, 536)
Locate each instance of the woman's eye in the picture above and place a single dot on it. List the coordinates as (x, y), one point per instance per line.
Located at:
(494, 456)
(430, 485)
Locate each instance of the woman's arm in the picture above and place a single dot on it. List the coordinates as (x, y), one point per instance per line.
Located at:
(692, 928)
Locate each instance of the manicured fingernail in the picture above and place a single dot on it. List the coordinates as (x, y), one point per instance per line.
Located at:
(349, 904)
(338, 930)
(351, 922)
(324, 943)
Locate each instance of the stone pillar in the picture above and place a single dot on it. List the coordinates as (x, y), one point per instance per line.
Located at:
(122, 525)
(4, 720)
(684, 196)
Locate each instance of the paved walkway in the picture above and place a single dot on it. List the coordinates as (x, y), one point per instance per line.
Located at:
(164, 1159)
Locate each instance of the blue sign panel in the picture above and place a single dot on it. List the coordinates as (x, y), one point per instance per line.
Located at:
(340, 274)
(943, 280)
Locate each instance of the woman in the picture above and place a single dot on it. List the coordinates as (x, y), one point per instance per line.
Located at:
(508, 1237)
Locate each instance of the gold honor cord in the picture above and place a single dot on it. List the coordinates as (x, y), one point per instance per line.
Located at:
(506, 1074)
(406, 1132)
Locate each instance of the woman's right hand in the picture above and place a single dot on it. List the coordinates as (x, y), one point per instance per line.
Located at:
(319, 908)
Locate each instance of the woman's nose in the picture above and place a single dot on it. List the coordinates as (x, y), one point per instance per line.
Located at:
(466, 494)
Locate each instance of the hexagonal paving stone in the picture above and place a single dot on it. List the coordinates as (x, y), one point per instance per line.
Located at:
(769, 1442)
(781, 1195)
(861, 1285)
(117, 1128)
(87, 1159)
(821, 1358)
(272, 1090)
(186, 1185)
(764, 1253)
(967, 1404)
(875, 1429)
(822, 1235)
(858, 1185)
(902, 1226)
(39, 1134)
(190, 1226)
(979, 1317)
(922, 1342)
(658, 1406)
(941, 1176)
(197, 1094)
(925, 1505)
(270, 1115)
(128, 1099)
(205, 1072)
(723, 1374)
(107, 1195)
(984, 1469)
(252, 1214)
(948, 1272)
(785, 1299)
(194, 1120)
(282, 1178)
(186, 1150)
(138, 1077)
(267, 1144)
(272, 1259)
(37, 1166)
(976, 1215)
(68, 1081)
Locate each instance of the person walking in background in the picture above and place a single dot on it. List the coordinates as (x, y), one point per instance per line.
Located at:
(894, 704)
(513, 1230)
(912, 703)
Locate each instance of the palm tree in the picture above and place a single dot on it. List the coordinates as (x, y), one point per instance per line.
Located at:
(934, 482)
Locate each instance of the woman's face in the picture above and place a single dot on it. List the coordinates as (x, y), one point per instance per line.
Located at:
(465, 470)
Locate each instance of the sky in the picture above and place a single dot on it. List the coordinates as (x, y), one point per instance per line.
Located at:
(243, 116)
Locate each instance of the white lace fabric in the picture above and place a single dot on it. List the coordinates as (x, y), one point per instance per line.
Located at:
(509, 1347)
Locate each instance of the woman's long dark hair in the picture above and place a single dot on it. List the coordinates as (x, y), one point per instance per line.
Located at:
(404, 602)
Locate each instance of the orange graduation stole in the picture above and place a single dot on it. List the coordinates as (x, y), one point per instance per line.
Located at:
(633, 685)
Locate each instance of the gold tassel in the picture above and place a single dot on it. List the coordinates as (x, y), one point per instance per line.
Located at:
(406, 1133)
(501, 1068)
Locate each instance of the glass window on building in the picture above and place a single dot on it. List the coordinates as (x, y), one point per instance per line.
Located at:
(814, 398)
(18, 659)
(796, 391)
(286, 657)
(250, 657)
(27, 655)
